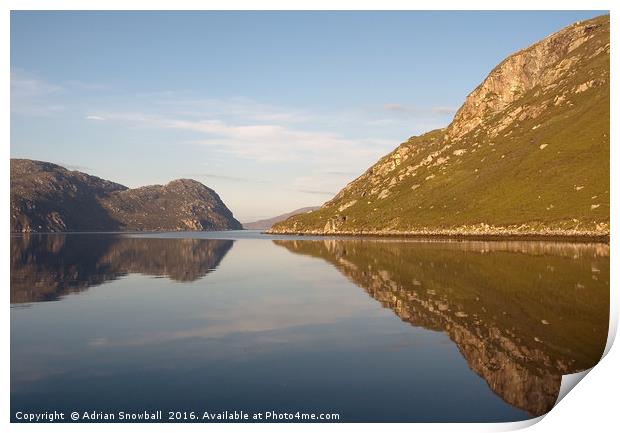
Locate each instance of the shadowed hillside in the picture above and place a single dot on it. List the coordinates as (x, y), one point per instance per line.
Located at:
(46, 197)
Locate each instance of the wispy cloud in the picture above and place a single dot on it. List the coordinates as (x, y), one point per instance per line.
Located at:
(412, 110)
(265, 142)
(272, 142)
(312, 191)
(84, 86)
(318, 184)
(341, 173)
(27, 84)
(31, 95)
(91, 117)
(225, 177)
(231, 109)
(74, 167)
(444, 111)
(412, 118)
(395, 107)
(382, 122)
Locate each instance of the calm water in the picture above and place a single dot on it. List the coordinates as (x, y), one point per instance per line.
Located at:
(374, 330)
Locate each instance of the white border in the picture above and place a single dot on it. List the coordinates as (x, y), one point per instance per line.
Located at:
(592, 406)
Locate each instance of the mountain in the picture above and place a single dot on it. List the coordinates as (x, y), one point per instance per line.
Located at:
(267, 223)
(527, 153)
(46, 197)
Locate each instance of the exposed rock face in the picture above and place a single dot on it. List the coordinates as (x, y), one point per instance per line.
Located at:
(521, 314)
(546, 64)
(47, 267)
(46, 197)
(267, 223)
(182, 204)
(527, 153)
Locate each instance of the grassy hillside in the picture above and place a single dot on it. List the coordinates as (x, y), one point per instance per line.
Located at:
(531, 159)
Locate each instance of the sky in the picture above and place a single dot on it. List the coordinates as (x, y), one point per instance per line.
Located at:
(273, 110)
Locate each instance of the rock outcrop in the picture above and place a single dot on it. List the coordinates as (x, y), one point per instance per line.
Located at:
(543, 66)
(46, 197)
(526, 154)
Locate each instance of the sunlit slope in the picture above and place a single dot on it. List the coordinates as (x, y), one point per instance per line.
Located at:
(528, 152)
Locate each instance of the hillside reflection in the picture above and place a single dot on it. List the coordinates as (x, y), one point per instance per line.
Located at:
(46, 267)
(521, 313)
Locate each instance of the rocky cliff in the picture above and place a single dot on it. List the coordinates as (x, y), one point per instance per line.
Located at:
(46, 197)
(527, 153)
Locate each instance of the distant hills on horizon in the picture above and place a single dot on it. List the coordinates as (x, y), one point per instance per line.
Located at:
(268, 222)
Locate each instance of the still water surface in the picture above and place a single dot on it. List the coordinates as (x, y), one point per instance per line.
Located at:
(372, 329)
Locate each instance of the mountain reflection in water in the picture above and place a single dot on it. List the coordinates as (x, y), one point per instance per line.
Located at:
(44, 267)
(521, 313)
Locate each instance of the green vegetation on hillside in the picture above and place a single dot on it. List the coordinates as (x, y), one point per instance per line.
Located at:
(538, 165)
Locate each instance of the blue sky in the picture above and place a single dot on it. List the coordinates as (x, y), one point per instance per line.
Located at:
(273, 110)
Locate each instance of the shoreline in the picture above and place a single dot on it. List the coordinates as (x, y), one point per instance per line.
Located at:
(532, 236)
(572, 237)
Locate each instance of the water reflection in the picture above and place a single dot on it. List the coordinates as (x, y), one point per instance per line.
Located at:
(521, 313)
(46, 267)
